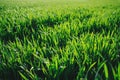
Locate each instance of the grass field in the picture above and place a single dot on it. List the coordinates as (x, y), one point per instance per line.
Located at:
(59, 39)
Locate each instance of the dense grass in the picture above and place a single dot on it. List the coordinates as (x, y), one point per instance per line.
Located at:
(59, 40)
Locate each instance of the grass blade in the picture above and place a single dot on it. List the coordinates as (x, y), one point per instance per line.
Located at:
(23, 76)
(106, 71)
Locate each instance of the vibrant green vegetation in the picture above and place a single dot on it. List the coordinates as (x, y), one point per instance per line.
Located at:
(59, 40)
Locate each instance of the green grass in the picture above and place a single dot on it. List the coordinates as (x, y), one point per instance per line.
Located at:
(59, 40)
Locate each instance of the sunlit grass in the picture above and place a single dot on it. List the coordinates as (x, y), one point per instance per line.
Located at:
(59, 40)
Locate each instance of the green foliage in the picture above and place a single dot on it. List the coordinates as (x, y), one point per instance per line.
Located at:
(59, 40)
